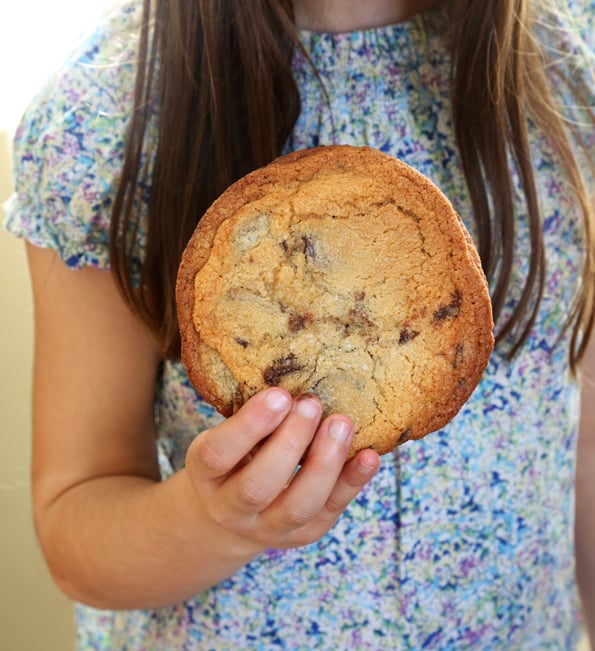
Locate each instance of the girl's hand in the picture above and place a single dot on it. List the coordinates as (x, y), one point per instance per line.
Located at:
(244, 471)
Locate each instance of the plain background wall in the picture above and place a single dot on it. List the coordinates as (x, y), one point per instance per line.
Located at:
(33, 614)
(35, 35)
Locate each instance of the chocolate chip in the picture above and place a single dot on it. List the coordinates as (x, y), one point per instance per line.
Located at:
(458, 356)
(360, 319)
(242, 342)
(309, 250)
(357, 321)
(298, 322)
(452, 310)
(279, 368)
(406, 335)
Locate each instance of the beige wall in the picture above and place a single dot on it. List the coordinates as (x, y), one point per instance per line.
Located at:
(34, 616)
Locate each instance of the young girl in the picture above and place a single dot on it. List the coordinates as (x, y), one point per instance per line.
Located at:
(152, 511)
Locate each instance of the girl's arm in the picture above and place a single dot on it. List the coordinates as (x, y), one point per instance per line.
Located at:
(585, 494)
(113, 534)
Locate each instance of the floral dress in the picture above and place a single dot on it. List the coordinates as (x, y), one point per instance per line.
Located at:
(463, 540)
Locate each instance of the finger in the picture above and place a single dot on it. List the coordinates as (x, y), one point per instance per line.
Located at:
(354, 476)
(216, 452)
(260, 482)
(314, 483)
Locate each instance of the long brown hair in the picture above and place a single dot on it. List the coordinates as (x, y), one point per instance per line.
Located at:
(219, 74)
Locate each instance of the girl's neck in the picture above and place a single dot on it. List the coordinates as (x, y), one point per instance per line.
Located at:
(353, 15)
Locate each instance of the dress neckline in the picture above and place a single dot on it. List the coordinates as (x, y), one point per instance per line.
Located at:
(414, 39)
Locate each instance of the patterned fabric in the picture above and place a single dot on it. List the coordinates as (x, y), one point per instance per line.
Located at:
(463, 540)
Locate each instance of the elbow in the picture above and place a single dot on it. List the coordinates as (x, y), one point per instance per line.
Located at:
(63, 557)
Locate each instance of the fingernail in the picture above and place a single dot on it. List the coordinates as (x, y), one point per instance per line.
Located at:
(365, 470)
(277, 400)
(308, 408)
(340, 431)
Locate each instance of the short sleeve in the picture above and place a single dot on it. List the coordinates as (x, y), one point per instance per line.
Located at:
(69, 146)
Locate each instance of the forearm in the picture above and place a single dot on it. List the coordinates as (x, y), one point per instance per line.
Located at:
(128, 542)
(585, 528)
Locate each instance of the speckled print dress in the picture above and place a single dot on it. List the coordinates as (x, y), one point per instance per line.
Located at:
(462, 540)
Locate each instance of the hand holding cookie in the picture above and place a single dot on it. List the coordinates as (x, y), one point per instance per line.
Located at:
(244, 471)
(341, 272)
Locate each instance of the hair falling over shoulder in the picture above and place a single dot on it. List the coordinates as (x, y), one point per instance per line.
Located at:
(219, 72)
(501, 79)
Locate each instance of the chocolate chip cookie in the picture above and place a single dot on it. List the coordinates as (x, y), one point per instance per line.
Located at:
(343, 272)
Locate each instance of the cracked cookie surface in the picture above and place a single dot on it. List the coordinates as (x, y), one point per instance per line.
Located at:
(343, 272)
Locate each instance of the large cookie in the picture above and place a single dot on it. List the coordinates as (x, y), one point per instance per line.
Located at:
(343, 272)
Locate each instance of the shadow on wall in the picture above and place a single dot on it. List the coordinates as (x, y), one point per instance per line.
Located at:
(33, 614)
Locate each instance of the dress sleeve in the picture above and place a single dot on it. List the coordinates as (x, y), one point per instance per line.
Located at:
(68, 149)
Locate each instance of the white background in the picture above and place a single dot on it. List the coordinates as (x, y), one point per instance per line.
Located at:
(35, 35)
